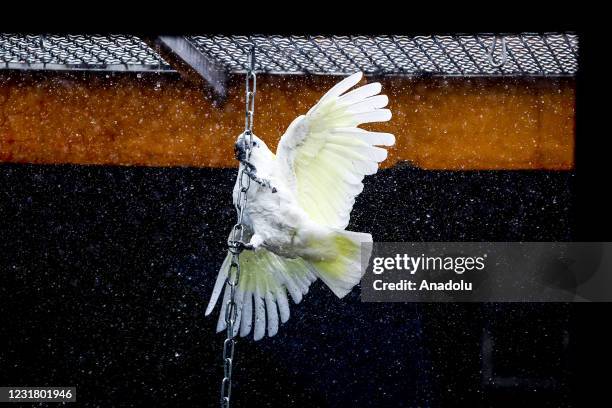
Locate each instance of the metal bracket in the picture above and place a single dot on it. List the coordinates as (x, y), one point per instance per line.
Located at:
(191, 63)
(504, 53)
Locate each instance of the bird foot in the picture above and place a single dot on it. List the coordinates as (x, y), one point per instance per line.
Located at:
(250, 171)
(249, 247)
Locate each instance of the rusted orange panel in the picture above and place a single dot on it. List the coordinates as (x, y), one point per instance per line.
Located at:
(159, 120)
(484, 123)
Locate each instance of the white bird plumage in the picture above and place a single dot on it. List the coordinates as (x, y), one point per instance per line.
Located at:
(296, 217)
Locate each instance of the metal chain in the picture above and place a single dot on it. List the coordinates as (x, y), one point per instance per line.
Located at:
(236, 244)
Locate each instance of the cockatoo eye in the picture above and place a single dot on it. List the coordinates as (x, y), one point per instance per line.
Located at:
(254, 144)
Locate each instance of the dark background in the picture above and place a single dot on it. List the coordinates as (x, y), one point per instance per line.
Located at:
(107, 271)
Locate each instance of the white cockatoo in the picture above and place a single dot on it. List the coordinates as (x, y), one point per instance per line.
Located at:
(299, 204)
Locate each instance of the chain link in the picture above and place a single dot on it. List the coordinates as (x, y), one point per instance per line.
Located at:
(235, 243)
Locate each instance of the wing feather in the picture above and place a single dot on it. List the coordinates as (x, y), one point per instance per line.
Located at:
(246, 322)
(271, 314)
(283, 304)
(325, 155)
(261, 295)
(260, 316)
(340, 88)
(360, 93)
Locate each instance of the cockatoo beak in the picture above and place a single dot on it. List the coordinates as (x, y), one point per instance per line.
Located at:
(240, 150)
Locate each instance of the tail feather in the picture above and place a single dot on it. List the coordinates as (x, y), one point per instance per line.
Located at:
(342, 273)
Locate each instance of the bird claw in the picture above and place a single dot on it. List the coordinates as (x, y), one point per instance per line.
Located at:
(250, 172)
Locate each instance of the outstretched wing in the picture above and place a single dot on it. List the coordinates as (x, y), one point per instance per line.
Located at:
(261, 294)
(325, 155)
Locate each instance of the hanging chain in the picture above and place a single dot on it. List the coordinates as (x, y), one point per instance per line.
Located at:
(235, 243)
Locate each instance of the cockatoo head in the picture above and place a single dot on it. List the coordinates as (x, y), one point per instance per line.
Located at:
(259, 150)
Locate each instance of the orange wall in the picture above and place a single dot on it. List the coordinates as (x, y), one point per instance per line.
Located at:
(161, 120)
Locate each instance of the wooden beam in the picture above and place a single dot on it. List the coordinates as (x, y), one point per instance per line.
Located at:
(192, 64)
